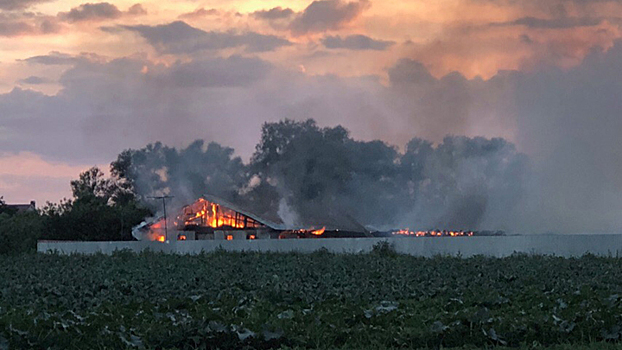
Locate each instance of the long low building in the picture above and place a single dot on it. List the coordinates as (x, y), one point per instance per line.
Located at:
(494, 246)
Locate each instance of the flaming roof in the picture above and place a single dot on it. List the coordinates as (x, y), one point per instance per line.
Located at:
(271, 224)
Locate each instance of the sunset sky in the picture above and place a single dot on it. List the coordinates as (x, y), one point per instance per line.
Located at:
(80, 82)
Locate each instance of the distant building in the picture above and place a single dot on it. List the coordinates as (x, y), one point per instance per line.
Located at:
(22, 208)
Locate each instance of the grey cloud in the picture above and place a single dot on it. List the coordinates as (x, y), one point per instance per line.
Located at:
(18, 4)
(355, 42)
(179, 37)
(199, 13)
(34, 80)
(15, 24)
(15, 28)
(555, 23)
(277, 13)
(230, 72)
(136, 10)
(553, 8)
(91, 12)
(407, 71)
(568, 121)
(59, 58)
(324, 15)
(100, 97)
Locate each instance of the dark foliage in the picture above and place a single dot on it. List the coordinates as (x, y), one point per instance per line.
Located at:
(101, 210)
(320, 300)
(19, 232)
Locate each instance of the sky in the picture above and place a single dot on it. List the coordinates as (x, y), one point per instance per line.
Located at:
(80, 82)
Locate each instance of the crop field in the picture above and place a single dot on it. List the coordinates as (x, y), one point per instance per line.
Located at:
(258, 301)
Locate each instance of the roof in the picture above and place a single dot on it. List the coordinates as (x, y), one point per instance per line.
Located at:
(330, 221)
(271, 224)
(20, 208)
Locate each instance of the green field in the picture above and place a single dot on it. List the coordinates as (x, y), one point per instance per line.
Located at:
(321, 300)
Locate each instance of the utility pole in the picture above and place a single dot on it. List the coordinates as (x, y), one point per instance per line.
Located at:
(163, 198)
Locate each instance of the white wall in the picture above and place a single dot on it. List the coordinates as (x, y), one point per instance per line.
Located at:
(498, 246)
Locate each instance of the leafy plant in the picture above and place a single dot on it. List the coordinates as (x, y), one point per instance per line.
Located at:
(260, 301)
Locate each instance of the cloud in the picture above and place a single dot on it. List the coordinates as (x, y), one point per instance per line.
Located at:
(567, 120)
(15, 28)
(408, 72)
(136, 10)
(555, 23)
(17, 24)
(58, 58)
(18, 4)
(91, 12)
(277, 13)
(355, 42)
(325, 15)
(230, 72)
(199, 13)
(179, 37)
(25, 176)
(135, 96)
(34, 80)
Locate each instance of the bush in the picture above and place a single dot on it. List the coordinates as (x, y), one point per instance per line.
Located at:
(92, 220)
(19, 233)
(384, 248)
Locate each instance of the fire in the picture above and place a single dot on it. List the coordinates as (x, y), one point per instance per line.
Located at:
(302, 233)
(205, 213)
(229, 237)
(433, 233)
(182, 238)
(161, 239)
(319, 232)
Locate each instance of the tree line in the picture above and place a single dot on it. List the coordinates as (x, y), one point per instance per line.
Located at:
(300, 173)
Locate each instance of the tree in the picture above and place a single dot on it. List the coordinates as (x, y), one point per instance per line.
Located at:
(186, 173)
(5, 208)
(19, 233)
(100, 210)
(326, 175)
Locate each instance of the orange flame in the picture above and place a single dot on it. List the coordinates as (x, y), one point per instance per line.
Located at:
(319, 232)
(433, 233)
(205, 213)
(161, 238)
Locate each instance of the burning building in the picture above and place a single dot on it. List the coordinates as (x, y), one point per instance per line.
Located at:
(212, 218)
